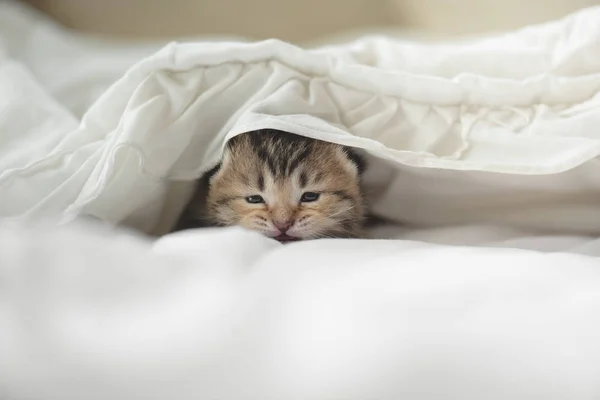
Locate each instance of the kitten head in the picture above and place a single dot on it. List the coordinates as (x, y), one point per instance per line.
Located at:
(287, 187)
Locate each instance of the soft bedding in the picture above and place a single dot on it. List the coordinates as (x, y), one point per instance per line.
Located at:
(498, 130)
(483, 157)
(229, 314)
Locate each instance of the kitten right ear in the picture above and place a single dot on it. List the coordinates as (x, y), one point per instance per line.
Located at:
(356, 160)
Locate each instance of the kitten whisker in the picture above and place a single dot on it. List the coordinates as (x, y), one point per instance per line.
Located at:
(340, 212)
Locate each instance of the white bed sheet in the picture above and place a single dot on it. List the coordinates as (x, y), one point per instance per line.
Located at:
(227, 314)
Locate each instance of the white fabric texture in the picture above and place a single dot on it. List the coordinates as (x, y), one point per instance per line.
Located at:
(495, 131)
(187, 317)
(499, 130)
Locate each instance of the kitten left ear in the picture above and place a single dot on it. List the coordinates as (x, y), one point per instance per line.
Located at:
(208, 175)
(356, 159)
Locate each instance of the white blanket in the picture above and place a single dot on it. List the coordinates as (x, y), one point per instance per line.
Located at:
(229, 314)
(496, 130)
(499, 131)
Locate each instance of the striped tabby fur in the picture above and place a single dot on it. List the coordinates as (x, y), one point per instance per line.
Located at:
(285, 186)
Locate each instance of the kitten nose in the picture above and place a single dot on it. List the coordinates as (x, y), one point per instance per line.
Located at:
(283, 226)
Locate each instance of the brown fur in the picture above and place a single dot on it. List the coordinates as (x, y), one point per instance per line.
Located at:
(280, 167)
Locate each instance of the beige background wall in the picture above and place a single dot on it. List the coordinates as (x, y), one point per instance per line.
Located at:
(301, 20)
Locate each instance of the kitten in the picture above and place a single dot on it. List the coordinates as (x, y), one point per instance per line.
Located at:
(285, 186)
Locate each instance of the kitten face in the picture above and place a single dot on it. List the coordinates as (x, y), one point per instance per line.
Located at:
(287, 187)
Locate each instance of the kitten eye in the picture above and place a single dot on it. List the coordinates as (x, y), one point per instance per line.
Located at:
(256, 199)
(307, 197)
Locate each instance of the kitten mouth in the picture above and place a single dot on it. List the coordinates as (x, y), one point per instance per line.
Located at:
(285, 238)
